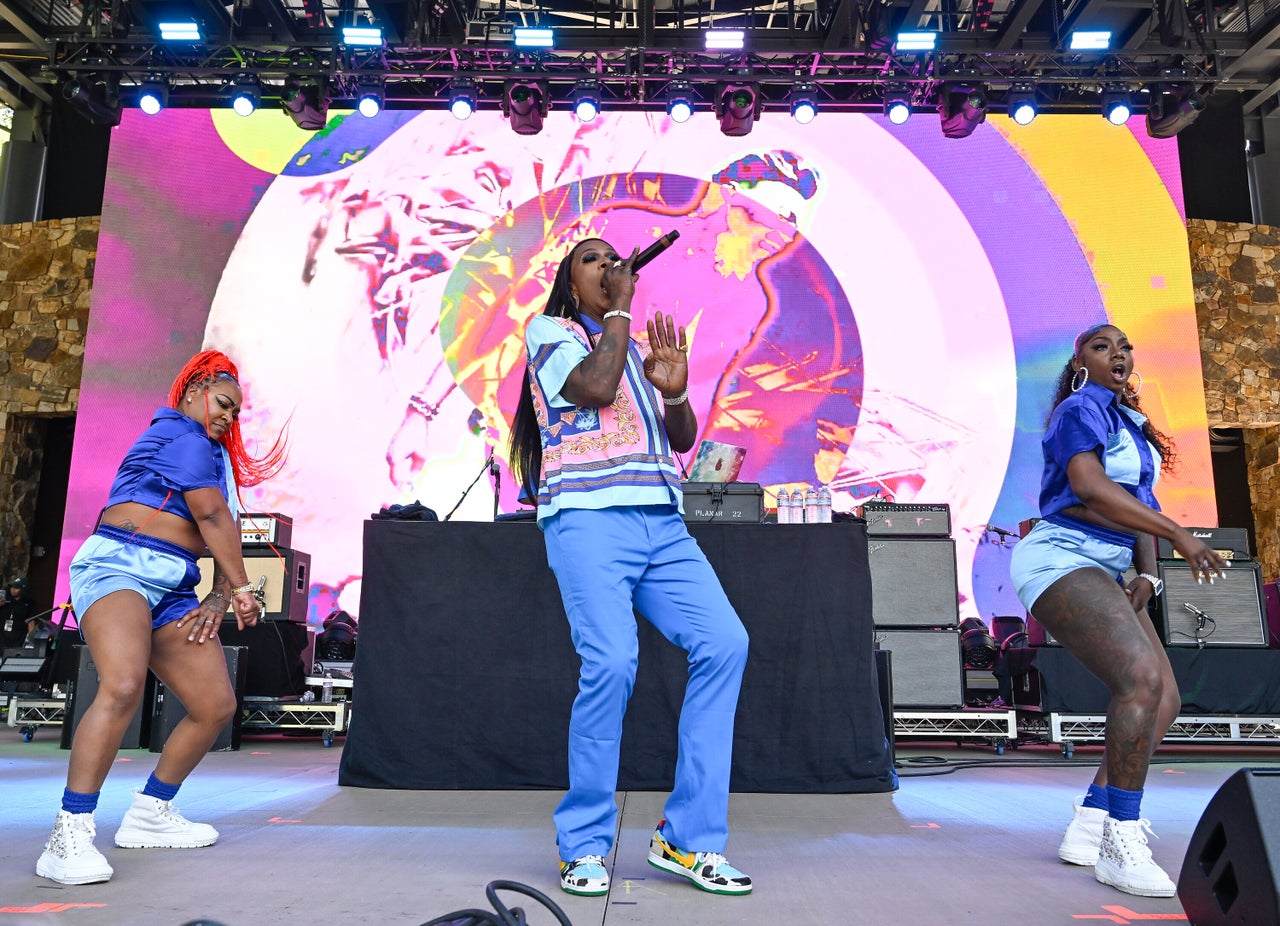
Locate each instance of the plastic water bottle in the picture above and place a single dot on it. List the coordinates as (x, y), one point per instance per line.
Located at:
(811, 506)
(797, 506)
(824, 505)
(784, 506)
(326, 690)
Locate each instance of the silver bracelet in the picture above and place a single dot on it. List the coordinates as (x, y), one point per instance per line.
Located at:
(243, 588)
(678, 400)
(1157, 584)
(617, 312)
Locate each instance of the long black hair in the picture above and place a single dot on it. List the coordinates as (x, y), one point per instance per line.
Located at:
(1162, 442)
(526, 441)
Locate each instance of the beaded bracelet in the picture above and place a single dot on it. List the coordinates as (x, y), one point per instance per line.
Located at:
(677, 400)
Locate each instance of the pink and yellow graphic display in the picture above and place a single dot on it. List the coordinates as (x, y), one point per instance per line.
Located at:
(871, 307)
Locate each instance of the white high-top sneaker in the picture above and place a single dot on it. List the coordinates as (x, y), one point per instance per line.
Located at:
(1125, 862)
(155, 824)
(1083, 836)
(69, 856)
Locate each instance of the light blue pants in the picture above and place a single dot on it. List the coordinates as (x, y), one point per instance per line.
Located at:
(608, 562)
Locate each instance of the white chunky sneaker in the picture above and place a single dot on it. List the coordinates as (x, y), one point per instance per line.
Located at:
(1125, 862)
(155, 824)
(585, 876)
(1083, 836)
(69, 856)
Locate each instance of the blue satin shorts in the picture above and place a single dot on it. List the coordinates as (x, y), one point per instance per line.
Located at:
(1061, 544)
(113, 560)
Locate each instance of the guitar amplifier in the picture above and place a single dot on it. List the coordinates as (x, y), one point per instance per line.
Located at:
(927, 670)
(267, 528)
(893, 519)
(913, 582)
(288, 581)
(1230, 612)
(1229, 542)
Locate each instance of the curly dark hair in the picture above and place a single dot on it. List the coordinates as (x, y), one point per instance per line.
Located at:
(526, 441)
(1162, 442)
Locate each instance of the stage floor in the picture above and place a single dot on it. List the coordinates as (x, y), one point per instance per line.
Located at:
(970, 837)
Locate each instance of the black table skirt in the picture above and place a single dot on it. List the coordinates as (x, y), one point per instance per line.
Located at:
(465, 672)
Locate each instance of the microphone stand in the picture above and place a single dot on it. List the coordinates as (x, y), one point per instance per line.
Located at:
(467, 491)
(496, 472)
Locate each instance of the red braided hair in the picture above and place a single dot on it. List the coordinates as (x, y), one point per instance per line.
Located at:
(203, 369)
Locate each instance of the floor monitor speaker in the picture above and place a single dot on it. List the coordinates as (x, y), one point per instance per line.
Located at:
(167, 710)
(926, 667)
(1230, 612)
(913, 582)
(1230, 871)
(82, 688)
(287, 575)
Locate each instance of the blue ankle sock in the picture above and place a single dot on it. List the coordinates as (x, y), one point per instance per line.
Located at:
(159, 790)
(1122, 804)
(75, 802)
(1096, 797)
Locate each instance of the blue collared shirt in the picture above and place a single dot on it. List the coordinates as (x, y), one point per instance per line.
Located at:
(1093, 421)
(172, 456)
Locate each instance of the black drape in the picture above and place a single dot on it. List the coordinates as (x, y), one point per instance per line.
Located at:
(465, 672)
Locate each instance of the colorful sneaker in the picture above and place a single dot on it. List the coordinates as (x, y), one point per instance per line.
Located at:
(155, 824)
(1083, 836)
(708, 870)
(69, 856)
(585, 876)
(1125, 862)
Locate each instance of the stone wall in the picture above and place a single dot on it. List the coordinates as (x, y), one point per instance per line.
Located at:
(1262, 449)
(46, 269)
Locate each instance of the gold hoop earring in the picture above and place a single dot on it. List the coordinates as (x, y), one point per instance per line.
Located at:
(1076, 387)
(1133, 392)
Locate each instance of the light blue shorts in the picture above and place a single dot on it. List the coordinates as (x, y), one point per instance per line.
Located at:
(1061, 544)
(113, 559)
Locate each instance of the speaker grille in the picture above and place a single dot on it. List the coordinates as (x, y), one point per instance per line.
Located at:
(1233, 608)
(926, 667)
(913, 582)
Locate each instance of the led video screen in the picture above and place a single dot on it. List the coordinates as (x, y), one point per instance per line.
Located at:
(872, 307)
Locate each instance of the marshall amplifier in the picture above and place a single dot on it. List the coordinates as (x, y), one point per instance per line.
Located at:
(285, 577)
(263, 529)
(1229, 542)
(724, 502)
(892, 519)
(1230, 612)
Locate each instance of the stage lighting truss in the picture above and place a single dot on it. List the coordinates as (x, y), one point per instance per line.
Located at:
(1172, 109)
(680, 100)
(370, 98)
(306, 100)
(1117, 105)
(463, 98)
(246, 93)
(95, 96)
(525, 103)
(738, 105)
(897, 103)
(586, 100)
(1021, 103)
(153, 95)
(962, 108)
(804, 103)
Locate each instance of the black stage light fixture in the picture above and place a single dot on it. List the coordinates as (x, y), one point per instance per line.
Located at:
(962, 108)
(1117, 105)
(804, 103)
(738, 105)
(462, 97)
(1021, 103)
(96, 97)
(586, 100)
(897, 103)
(246, 93)
(306, 100)
(1172, 109)
(977, 645)
(370, 97)
(153, 95)
(525, 104)
(680, 100)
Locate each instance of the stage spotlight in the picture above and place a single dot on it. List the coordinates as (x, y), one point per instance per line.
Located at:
(96, 97)
(586, 100)
(362, 36)
(1085, 40)
(462, 97)
(153, 95)
(897, 104)
(680, 101)
(737, 106)
(369, 98)
(525, 104)
(962, 110)
(1172, 110)
(1021, 103)
(181, 31)
(1116, 106)
(978, 647)
(804, 103)
(916, 41)
(245, 94)
(307, 102)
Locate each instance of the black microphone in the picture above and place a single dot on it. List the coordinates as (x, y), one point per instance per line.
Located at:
(1001, 531)
(654, 250)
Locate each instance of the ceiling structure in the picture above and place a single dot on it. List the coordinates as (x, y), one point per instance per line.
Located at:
(636, 49)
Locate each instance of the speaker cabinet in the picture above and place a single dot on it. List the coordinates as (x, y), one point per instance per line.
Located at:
(288, 580)
(1230, 873)
(82, 688)
(926, 667)
(280, 656)
(884, 687)
(913, 582)
(167, 711)
(1233, 609)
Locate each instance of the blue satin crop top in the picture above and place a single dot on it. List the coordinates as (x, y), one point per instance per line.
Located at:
(172, 456)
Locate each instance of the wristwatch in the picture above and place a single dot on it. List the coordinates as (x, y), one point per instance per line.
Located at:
(1157, 584)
